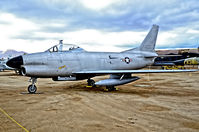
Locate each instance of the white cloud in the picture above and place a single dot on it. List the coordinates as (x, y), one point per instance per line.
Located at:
(90, 39)
(96, 40)
(166, 38)
(97, 32)
(192, 31)
(100, 7)
(90, 4)
(98, 4)
(177, 36)
(12, 26)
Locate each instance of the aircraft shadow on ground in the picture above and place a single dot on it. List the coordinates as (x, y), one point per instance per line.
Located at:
(142, 91)
(8, 74)
(32, 94)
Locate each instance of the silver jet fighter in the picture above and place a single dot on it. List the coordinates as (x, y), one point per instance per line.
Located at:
(70, 63)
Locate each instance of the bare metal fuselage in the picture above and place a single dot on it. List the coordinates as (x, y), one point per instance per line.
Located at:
(52, 64)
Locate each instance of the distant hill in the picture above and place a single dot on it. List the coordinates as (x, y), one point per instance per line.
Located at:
(10, 53)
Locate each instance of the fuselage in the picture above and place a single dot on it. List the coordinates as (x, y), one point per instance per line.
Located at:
(52, 64)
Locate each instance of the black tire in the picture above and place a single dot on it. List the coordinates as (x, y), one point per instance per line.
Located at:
(91, 82)
(32, 89)
(110, 88)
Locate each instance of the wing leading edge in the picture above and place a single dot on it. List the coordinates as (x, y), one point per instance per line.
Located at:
(132, 71)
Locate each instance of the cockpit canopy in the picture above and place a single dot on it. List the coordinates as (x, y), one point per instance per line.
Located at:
(65, 48)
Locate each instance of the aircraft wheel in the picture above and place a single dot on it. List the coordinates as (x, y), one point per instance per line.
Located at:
(32, 89)
(91, 82)
(110, 88)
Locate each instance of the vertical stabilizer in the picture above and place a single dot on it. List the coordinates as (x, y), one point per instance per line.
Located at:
(149, 42)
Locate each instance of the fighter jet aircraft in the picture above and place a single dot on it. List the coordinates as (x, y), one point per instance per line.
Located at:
(3, 65)
(70, 63)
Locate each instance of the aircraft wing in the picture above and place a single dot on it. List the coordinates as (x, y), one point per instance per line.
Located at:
(132, 71)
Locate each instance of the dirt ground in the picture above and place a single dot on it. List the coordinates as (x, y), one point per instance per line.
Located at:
(156, 102)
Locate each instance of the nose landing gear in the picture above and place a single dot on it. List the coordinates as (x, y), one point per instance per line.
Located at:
(32, 88)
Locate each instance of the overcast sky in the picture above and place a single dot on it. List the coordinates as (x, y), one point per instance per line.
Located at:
(99, 25)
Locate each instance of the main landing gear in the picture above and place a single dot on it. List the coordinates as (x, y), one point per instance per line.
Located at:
(91, 83)
(32, 88)
(110, 88)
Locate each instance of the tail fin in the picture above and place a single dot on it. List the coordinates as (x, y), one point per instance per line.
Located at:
(149, 42)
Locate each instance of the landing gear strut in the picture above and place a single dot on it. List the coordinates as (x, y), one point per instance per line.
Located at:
(32, 88)
(91, 82)
(110, 88)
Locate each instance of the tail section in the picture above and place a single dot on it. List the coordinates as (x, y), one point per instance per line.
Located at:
(149, 42)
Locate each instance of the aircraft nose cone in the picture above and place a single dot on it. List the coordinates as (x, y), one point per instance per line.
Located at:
(15, 62)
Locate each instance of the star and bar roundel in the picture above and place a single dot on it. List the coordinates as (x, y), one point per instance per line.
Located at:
(127, 60)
